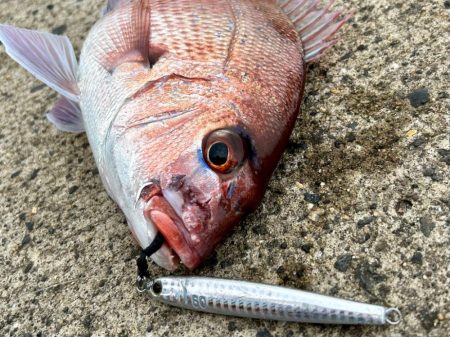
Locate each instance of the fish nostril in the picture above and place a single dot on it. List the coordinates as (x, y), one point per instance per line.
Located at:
(177, 181)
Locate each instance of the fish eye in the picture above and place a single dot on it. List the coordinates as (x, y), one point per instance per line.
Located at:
(218, 153)
(223, 150)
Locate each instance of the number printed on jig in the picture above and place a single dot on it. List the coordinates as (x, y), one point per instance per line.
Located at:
(187, 105)
(255, 300)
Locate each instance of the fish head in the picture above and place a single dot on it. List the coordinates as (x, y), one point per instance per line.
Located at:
(199, 197)
(202, 160)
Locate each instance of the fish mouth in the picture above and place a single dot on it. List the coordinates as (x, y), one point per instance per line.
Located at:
(161, 213)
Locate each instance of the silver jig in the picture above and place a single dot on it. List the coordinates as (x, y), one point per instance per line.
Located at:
(256, 300)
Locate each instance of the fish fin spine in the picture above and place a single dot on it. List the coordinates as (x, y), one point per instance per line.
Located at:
(316, 25)
(127, 38)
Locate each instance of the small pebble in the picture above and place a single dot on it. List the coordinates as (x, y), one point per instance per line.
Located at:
(263, 333)
(445, 154)
(361, 47)
(34, 174)
(419, 141)
(73, 189)
(59, 30)
(426, 226)
(343, 262)
(417, 258)
(419, 97)
(432, 173)
(350, 137)
(365, 221)
(427, 319)
(232, 326)
(368, 276)
(312, 198)
(26, 239)
(306, 247)
(37, 87)
(87, 321)
(28, 267)
(15, 174)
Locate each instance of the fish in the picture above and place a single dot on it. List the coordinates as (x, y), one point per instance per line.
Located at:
(187, 105)
(264, 301)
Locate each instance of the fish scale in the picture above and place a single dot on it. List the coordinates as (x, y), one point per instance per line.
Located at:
(193, 30)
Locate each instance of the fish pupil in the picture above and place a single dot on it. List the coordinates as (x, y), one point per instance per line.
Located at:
(218, 154)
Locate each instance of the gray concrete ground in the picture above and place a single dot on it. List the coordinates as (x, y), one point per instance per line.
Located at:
(358, 208)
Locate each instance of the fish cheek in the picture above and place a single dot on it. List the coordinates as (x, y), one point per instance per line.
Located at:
(242, 192)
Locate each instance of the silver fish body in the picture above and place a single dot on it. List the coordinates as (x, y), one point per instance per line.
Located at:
(255, 300)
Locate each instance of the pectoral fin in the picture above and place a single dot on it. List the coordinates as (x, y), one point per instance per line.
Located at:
(66, 116)
(49, 57)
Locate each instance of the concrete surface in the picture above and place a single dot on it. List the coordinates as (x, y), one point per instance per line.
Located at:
(358, 208)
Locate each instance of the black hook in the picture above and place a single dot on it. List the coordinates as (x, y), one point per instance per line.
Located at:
(150, 250)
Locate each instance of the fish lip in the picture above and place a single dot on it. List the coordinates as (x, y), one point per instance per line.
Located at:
(170, 260)
(159, 211)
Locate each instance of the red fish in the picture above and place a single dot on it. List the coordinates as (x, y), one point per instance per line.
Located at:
(187, 104)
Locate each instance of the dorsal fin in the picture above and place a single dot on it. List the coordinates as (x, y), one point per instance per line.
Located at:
(316, 26)
(125, 36)
(47, 56)
(112, 5)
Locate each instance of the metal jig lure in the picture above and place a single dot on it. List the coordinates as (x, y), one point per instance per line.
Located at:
(256, 300)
